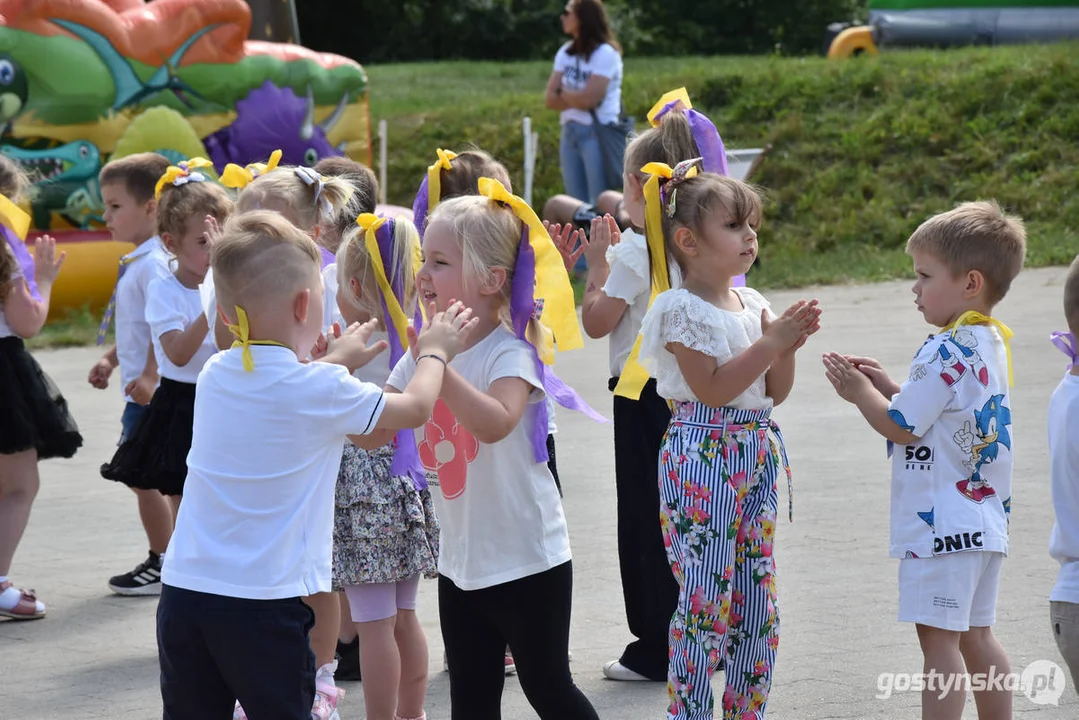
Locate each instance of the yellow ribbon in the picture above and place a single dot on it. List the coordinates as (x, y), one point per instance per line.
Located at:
(370, 224)
(973, 317)
(14, 217)
(634, 377)
(176, 172)
(242, 332)
(434, 178)
(552, 281)
(238, 177)
(680, 94)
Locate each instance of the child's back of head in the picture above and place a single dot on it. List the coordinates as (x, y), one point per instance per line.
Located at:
(458, 175)
(14, 185)
(137, 174)
(364, 197)
(975, 236)
(397, 254)
(300, 194)
(181, 207)
(670, 143)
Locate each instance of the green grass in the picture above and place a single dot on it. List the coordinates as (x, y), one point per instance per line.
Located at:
(862, 151)
(77, 328)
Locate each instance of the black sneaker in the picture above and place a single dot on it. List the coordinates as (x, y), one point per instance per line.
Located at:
(348, 661)
(145, 579)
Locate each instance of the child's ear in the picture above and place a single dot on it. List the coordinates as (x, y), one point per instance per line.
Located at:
(301, 304)
(354, 288)
(168, 241)
(974, 284)
(151, 208)
(316, 232)
(496, 280)
(684, 241)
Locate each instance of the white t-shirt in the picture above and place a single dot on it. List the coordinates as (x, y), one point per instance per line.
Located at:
(681, 317)
(147, 262)
(630, 280)
(952, 488)
(330, 312)
(576, 71)
(501, 516)
(257, 516)
(1064, 479)
(171, 306)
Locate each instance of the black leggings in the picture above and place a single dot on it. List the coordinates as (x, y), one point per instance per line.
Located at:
(531, 615)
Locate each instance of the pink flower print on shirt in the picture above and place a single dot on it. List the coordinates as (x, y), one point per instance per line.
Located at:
(448, 448)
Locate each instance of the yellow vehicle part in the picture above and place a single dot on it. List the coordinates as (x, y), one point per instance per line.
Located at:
(853, 41)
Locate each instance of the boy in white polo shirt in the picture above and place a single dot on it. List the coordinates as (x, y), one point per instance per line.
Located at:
(254, 533)
(1064, 479)
(127, 190)
(952, 458)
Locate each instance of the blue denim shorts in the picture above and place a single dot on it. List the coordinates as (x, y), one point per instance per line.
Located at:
(133, 413)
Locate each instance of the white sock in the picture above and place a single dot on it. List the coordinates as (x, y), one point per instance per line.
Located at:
(9, 598)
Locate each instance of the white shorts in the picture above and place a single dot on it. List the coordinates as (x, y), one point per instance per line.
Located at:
(950, 592)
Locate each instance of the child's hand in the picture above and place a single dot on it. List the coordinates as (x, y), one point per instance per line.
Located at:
(604, 234)
(799, 321)
(211, 229)
(350, 348)
(100, 374)
(141, 389)
(445, 333)
(876, 374)
(565, 238)
(849, 383)
(46, 264)
(322, 344)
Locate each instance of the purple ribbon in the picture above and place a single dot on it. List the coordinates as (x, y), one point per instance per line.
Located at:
(522, 305)
(709, 143)
(406, 458)
(1067, 344)
(327, 257)
(419, 207)
(23, 258)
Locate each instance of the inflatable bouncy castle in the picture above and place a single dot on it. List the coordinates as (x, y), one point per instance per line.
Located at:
(949, 23)
(85, 81)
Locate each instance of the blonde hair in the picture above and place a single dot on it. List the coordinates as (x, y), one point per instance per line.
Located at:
(697, 201)
(465, 172)
(180, 204)
(1071, 297)
(670, 143)
(14, 185)
(976, 236)
(138, 173)
(305, 201)
(354, 261)
(261, 255)
(364, 197)
(490, 237)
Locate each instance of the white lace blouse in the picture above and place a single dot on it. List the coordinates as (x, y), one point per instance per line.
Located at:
(681, 317)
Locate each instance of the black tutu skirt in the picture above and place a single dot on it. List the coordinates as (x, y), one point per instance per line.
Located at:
(155, 456)
(33, 413)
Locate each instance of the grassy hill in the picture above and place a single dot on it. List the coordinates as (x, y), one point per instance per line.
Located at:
(862, 151)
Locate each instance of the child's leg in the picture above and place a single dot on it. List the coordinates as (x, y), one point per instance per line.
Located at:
(19, 484)
(943, 659)
(1065, 620)
(156, 514)
(753, 632)
(374, 611)
(475, 652)
(534, 615)
(698, 510)
(326, 607)
(347, 630)
(412, 644)
(192, 687)
(982, 652)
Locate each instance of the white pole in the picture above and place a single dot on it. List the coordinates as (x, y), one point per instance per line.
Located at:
(528, 160)
(382, 139)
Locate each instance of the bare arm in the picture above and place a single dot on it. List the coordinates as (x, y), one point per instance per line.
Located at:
(590, 97)
(181, 345)
(855, 387)
(779, 379)
(489, 416)
(600, 312)
(554, 98)
(25, 315)
(412, 408)
(718, 385)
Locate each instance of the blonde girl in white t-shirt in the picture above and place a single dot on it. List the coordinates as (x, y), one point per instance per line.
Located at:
(190, 206)
(505, 575)
(722, 361)
(385, 531)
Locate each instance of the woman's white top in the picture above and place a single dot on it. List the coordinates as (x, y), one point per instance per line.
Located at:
(576, 71)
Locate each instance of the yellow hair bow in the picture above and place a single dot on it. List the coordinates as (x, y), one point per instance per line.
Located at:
(238, 177)
(183, 173)
(370, 224)
(973, 317)
(680, 96)
(634, 376)
(434, 177)
(552, 282)
(14, 217)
